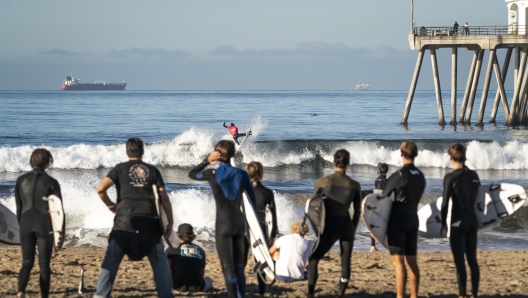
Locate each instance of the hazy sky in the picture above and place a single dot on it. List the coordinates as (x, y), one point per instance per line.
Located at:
(227, 45)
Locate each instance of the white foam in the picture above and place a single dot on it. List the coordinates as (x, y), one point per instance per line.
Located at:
(190, 147)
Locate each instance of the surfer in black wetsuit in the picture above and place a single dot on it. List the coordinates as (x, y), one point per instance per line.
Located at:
(342, 193)
(461, 186)
(227, 184)
(380, 183)
(137, 231)
(265, 199)
(34, 219)
(408, 185)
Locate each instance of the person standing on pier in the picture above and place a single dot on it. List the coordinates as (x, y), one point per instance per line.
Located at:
(455, 28)
(466, 29)
(408, 185)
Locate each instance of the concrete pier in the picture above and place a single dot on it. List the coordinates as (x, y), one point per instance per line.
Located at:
(486, 40)
(481, 39)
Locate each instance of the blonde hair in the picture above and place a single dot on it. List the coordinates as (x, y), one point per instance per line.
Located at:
(255, 171)
(409, 150)
(299, 228)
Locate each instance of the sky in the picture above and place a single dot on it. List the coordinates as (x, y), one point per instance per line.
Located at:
(227, 45)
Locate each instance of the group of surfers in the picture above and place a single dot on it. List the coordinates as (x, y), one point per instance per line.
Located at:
(137, 231)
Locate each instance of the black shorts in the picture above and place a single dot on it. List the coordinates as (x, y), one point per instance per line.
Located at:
(403, 239)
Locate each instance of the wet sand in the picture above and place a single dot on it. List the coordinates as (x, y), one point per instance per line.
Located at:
(503, 273)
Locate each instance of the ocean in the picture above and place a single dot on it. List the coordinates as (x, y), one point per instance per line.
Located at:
(86, 133)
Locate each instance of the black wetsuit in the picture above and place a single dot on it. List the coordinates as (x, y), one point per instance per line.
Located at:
(380, 183)
(342, 193)
(264, 197)
(35, 225)
(227, 184)
(462, 187)
(408, 185)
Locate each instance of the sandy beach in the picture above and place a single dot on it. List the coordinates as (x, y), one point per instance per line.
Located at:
(503, 273)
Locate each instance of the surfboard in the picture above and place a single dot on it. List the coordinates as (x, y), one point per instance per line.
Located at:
(56, 213)
(494, 202)
(376, 213)
(172, 240)
(9, 228)
(264, 264)
(269, 221)
(245, 137)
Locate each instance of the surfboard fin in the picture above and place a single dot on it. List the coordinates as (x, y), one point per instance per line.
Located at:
(495, 187)
(515, 199)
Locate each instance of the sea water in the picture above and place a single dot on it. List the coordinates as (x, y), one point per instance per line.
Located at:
(86, 133)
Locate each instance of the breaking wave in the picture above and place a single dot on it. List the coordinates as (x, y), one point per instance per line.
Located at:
(190, 147)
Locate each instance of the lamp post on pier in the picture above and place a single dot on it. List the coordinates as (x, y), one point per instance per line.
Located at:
(412, 16)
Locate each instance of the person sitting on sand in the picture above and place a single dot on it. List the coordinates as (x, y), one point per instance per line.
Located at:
(137, 231)
(461, 187)
(379, 184)
(233, 130)
(228, 183)
(34, 220)
(265, 200)
(342, 193)
(291, 253)
(187, 263)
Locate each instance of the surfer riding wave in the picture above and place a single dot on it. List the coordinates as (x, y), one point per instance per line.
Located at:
(233, 130)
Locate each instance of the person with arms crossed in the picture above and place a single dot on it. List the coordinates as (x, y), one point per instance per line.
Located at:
(461, 187)
(408, 185)
(34, 219)
(342, 193)
(137, 231)
(228, 183)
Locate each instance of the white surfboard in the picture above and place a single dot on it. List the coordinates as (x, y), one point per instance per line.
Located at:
(263, 261)
(172, 240)
(269, 221)
(9, 228)
(494, 202)
(245, 137)
(56, 212)
(376, 213)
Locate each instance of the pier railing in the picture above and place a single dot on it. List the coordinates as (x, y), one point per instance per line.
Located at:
(472, 31)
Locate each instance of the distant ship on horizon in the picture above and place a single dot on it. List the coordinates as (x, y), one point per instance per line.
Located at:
(71, 83)
(362, 86)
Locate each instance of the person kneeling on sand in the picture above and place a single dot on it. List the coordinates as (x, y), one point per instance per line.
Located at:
(291, 253)
(187, 263)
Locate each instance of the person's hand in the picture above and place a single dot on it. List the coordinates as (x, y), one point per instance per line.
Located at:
(213, 157)
(442, 230)
(169, 230)
(112, 208)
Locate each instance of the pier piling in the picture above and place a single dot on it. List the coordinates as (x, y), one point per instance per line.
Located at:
(454, 66)
(438, 90)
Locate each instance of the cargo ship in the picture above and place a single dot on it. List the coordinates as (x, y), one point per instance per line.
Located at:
(71, 83)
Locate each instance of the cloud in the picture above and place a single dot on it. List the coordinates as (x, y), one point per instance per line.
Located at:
(59, 52)
(306, 49)
(149, 53)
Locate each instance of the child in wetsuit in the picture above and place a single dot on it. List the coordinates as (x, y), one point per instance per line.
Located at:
(379, 184)
(265, 199)
(187, 263)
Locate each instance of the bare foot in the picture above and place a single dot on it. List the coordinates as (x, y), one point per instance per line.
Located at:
(21, 295)
(373, 249)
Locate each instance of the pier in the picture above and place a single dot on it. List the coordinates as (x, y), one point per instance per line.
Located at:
(512, 39)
